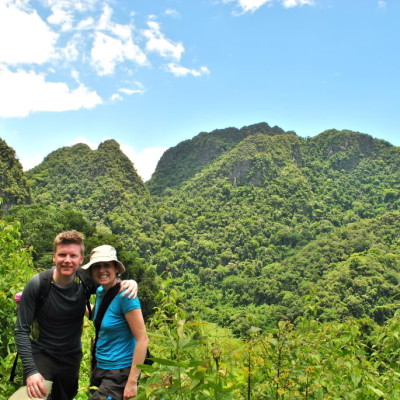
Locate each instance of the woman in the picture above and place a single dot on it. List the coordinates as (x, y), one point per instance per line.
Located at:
(122, 340)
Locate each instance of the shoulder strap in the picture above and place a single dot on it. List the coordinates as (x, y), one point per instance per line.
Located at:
(89, 287)
(107, 299)
(45, 278)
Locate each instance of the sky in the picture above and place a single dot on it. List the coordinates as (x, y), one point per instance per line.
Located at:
(152, 73)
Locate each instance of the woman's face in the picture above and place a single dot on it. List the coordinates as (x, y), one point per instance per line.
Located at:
(105, 273)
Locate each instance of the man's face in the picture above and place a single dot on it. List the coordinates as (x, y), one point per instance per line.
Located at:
(67, 258)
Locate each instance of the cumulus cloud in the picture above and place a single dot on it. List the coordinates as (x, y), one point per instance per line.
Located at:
(179, 70)
(24, 37)
(158, 43)
(46, 58)
(25, 92)
(114, 46)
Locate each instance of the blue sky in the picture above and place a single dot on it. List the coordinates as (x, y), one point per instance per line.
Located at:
(152, 73)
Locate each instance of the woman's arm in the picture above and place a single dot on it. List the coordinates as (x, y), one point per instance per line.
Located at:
(138, 329)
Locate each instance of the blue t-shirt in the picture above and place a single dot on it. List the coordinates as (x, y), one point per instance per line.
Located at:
(116, 343)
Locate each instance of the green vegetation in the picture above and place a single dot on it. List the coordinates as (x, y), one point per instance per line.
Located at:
(183, 161)
(282, 256)
(13, 184)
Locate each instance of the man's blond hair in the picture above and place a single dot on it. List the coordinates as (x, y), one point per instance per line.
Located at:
(69, 237)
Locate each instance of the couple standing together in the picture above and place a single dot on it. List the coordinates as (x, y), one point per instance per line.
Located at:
(56, 353)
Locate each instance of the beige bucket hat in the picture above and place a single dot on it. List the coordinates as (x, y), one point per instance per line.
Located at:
(21, 393)
(104, 253)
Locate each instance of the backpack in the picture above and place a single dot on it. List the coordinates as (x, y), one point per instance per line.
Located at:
(45, 277)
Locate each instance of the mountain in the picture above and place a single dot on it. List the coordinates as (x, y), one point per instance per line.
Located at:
(102, 183)
(183, 161)
(252, 224)
(255, 208)
(13, 184)
(96, 181)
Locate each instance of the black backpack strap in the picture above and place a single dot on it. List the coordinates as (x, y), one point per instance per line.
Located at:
(14, 368)
(107, 299)
(45, 279)
(89, 288)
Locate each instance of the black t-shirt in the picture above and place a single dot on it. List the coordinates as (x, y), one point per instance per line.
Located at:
(59, 321)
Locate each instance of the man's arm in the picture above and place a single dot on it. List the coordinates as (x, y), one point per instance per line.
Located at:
(25, 317)
(131, 288)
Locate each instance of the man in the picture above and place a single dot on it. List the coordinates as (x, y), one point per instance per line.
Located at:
(56, 354)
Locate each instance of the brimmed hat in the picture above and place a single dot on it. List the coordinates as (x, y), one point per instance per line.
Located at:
(104, 253)
(21, 393)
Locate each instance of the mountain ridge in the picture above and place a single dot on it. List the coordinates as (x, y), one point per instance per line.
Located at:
(262, 204)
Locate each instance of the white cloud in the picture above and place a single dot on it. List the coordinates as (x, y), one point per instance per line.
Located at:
(253, 5)
(295, 3)
(24, 37)
(113, 44)
(61, 17)
(31, 161)
(179, 70)
(108, 51)
(69, 39)
(131, 91)
(145, 161)
(116, 97)
(172, 13)
(139, 89)
(158, 43)
(26, 92)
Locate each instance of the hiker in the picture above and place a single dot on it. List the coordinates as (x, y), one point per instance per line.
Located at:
(121, 339)
(55, 353)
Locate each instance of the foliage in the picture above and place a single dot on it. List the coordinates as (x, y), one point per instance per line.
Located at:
(355, 359)
(287, 248)
(15, 270)
(13, 183)
(182, 162)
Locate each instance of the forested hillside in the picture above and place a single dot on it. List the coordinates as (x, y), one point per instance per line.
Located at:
(234, 234)
(182, 162)
(253, 224)
(13, 184)
(241, 228)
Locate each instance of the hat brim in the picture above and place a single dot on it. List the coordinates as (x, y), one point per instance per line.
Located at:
(21, 393)
(121, 268)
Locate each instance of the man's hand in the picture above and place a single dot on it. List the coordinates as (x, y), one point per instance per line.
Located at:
(35, 386)
(131, 287)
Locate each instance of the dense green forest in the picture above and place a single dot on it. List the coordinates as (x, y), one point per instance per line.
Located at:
(267, 263)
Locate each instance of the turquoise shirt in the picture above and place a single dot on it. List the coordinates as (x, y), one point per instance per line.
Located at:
(116, 343)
